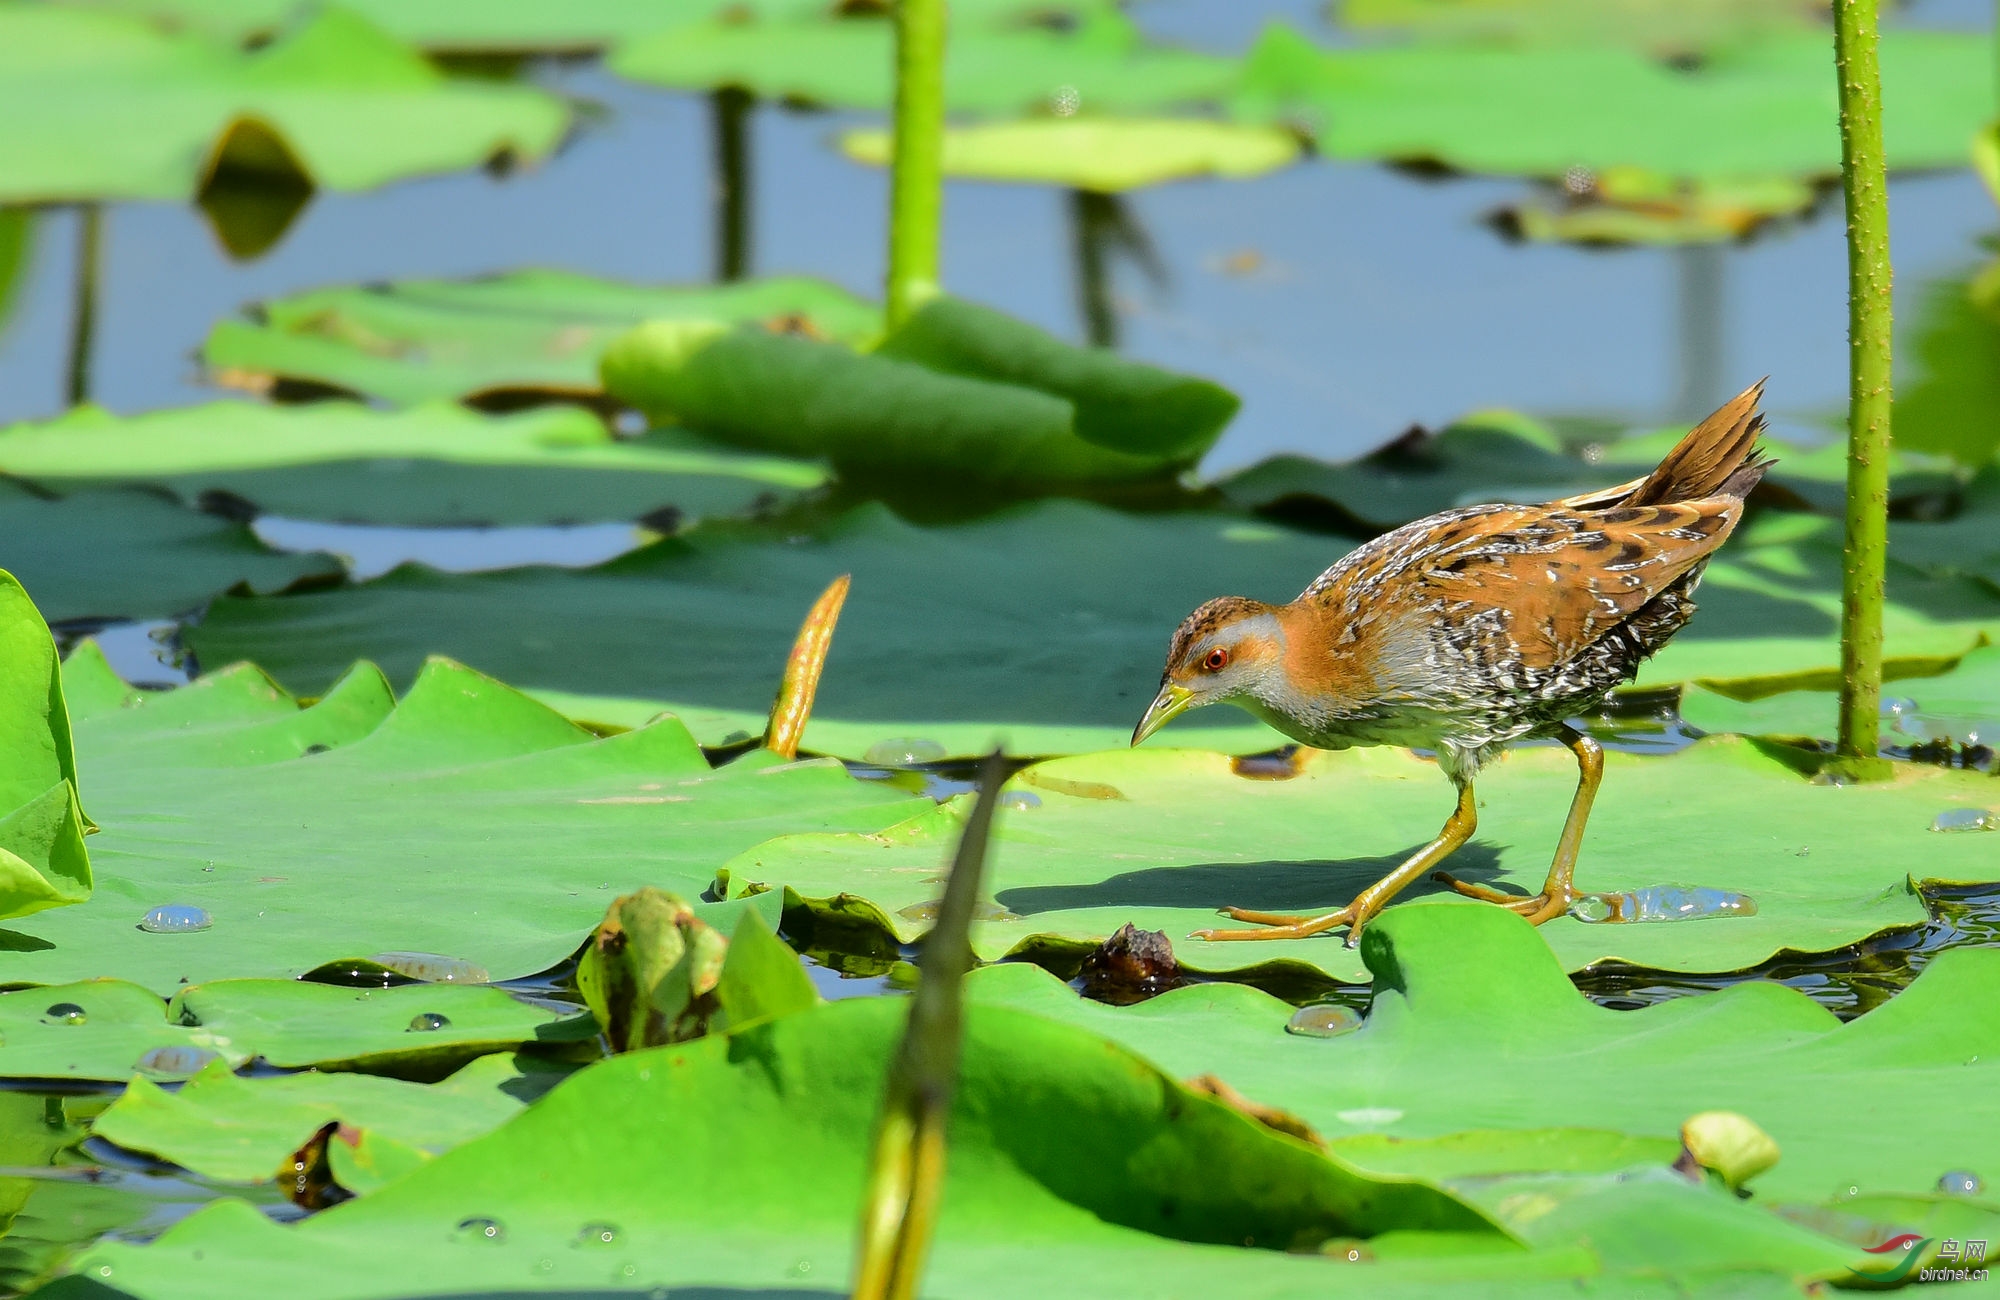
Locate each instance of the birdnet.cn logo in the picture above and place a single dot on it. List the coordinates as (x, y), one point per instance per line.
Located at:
(1907, 1254)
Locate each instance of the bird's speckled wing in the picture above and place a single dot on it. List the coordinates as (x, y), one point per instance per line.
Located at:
(1565, 577)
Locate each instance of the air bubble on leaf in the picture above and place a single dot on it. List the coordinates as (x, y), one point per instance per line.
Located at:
(66, 1013)
(1897, 707)
(176, 918)
(481, 1229)
(1020, 800)
(597, 1234)
(1323, 1020)
(1960, 1182)
(432, 968)
(1662, 903)
(175, 1060)
(425, 1021)
(1966, 819)
(903, 752)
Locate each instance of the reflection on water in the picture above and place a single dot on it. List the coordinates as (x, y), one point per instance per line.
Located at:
(370, 550)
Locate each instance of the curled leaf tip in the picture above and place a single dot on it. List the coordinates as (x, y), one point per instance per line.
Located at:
(793, 707)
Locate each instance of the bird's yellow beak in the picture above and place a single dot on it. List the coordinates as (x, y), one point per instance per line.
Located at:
(1170, 703)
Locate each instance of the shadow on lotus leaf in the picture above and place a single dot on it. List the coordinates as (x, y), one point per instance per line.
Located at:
(1261, 886)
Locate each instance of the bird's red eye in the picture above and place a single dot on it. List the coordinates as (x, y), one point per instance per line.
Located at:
(1215, 660)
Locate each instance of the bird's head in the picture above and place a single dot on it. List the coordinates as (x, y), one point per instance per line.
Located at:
(1226, 650)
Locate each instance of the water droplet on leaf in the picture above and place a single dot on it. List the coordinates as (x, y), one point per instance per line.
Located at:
(1020, 800)
(175, 1060)
(597, 1234)
(1960, 1182)
(1323, 1020)
(903, 752)
(432, 968)
(1662, 903)
(1966, 819)
(176, 918)
(66, 1013)
(424, 1021)
(481, 1229)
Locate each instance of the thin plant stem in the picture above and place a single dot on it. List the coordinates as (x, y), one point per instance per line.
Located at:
(916, 174)
(906, 1167)
(1864, 186)
(729, 116)
(793, 707)
(83, 317)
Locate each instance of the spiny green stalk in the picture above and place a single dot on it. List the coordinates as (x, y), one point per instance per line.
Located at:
(916, 174)
(906, 1167)
(1864, 185)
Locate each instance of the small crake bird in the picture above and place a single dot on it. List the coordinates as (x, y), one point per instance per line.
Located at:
(1469, 629)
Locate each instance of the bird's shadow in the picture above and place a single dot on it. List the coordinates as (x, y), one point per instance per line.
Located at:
(1260, 886)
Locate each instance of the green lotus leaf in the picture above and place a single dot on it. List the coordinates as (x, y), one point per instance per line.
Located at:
(43, 862)
(101, 1029)
(243, 1130)
(430, 465)
(1103, 65)
(1962, 706)
(170, 559)
(112, 107)
(1624, 207)
(1072, 1165)
(1666, 25)
(1162, 838)
(526, 334)
(530, 26)
(1463, 987)
(959, 391)
(1948, 409)
(1761, 107)
(1108, 155)
(466, 821)
(1044, 625)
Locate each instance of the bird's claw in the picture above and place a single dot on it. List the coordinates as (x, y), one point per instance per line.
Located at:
(1280, 926)
(1536, 908)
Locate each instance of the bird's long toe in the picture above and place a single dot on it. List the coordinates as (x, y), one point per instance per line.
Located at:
(1276, 926)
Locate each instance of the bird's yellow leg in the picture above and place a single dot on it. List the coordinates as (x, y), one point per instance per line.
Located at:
(1370, 901)
(1559, 891)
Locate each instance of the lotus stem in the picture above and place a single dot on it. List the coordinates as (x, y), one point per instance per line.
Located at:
(83, 318)
(906, 1166)
(793, 708)
(1864, 186)
(916, 172)
(729, 112)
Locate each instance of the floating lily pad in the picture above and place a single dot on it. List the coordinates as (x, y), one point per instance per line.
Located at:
(960, 398)
(1949, 407)
(466, 821)
(109, 1030)
(43, 863)
(1676, 26)
(521, 336)
(1627, 206)
(1046, 624)
(1879, 1104)
(1072, 1166)
(240, 1130)
(432, 464)
(1104, 65)
(1961, 706)
(109, 106)
(169, 559)
(1163, 838)
(1763, 107)
(531, 26)
(1107, 155)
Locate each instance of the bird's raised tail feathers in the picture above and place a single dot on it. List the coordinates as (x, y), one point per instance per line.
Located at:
(1717, 458)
